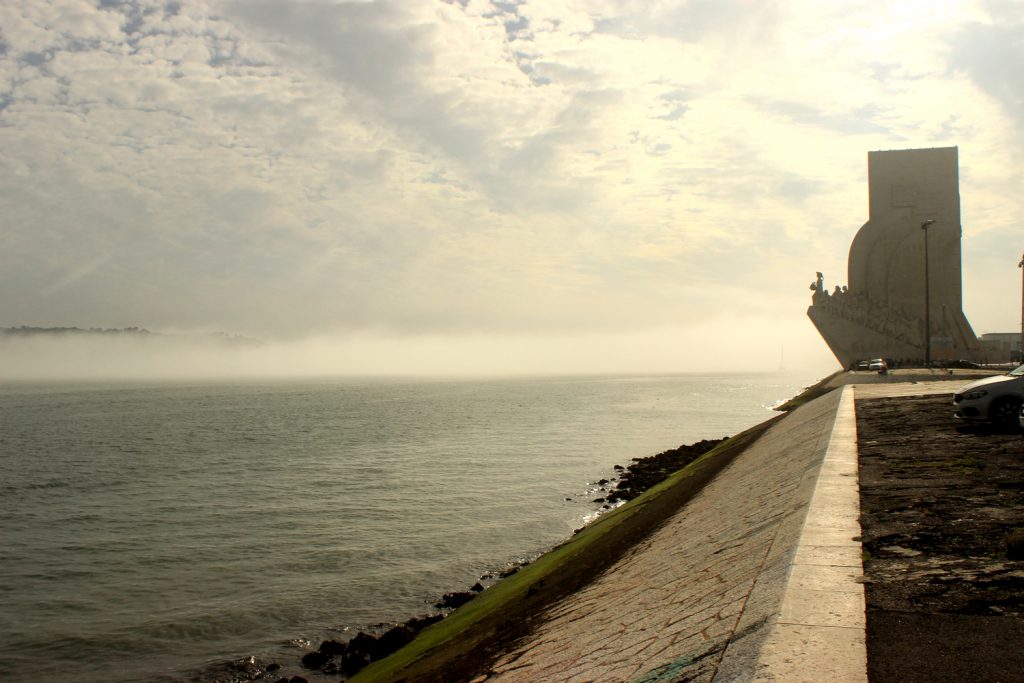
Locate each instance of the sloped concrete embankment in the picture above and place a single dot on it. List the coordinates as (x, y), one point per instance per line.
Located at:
(700, 597)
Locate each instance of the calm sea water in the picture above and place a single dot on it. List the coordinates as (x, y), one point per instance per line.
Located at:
(150, 531)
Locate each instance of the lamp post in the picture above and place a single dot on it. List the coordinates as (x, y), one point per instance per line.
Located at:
(927, 303)
(1021, 266)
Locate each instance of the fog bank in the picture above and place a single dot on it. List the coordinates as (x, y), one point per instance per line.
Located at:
(764, 345)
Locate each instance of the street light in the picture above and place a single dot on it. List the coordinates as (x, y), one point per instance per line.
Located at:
(927, 303)
(1021, 266)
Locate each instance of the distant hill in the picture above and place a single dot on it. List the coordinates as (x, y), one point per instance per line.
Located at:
(28, 331)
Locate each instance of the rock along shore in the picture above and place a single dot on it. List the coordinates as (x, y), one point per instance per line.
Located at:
(556, 578)
(686, 582)
(620, 569)
(334, 658)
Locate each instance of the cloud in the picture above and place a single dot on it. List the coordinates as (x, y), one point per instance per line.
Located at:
(859, 120)
(992, 55)
(442, 81)
(691, 20)
(442, 168)
(76, 274)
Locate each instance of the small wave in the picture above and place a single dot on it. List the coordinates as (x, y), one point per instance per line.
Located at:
(36, 486)
(353, 503)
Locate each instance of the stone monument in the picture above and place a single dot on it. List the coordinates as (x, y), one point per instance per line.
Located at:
(913, 197)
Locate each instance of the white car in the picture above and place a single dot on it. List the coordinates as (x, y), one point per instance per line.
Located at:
(993, 399)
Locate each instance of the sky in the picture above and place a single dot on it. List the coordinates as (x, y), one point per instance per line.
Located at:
(488, 186)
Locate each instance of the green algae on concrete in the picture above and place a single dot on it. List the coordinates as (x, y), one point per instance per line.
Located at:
(459, 645)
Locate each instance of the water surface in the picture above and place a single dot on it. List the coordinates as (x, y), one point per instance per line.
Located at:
(153, 529)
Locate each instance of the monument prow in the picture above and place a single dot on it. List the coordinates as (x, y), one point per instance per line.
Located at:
(910, 242)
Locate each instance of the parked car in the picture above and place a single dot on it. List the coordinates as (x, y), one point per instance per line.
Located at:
(879, 365)
(994, 399)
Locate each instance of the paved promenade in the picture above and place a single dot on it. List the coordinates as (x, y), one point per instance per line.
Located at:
(705, 596)
(910, 389)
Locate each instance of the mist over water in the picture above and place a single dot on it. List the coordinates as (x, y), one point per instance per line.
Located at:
(153, 529)
(763, 345)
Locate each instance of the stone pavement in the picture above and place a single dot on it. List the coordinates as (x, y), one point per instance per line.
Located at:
(912, 389)
(701, 597)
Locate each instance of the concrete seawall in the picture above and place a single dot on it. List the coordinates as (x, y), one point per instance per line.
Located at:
(725, 590)
(744, 566)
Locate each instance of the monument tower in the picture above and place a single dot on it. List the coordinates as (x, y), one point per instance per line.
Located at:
(913, 200)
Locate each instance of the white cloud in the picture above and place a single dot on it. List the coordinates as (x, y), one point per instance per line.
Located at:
(279, 168)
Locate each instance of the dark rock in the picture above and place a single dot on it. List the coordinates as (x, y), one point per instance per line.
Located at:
(365, 644)
(644, 473)
(477, 587)
(272, 667)
(315, 660)
(417, 624)
(454, 600)
(333, 648)
(297, 679)
(598, 500)
(395, 639)
(602, 482)
(619, 467)
(353, 662)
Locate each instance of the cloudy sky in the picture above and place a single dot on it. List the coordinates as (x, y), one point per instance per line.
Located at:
(606, 184)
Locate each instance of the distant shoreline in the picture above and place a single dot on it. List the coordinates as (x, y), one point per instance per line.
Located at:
(135, 332)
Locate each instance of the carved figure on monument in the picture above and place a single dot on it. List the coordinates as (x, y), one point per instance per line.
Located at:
(820, 292)
(868, 317)
(820, 296)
